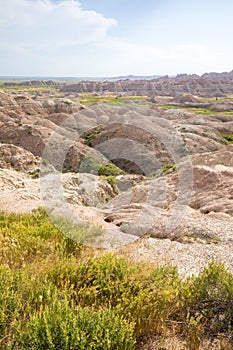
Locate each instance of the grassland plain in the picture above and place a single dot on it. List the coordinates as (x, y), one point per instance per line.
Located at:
(204, 111)
(88, 99)
(57, 294)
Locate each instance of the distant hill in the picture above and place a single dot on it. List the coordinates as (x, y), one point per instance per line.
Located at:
(23, 79)
(136, 77)
(183, 76)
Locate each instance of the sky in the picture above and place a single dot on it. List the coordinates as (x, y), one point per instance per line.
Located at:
(106, 38)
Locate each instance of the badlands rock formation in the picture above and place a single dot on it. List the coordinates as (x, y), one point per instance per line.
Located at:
(33, 83)
(178, 186)
(207, 85)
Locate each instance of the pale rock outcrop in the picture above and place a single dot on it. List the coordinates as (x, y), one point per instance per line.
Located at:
(13, 157)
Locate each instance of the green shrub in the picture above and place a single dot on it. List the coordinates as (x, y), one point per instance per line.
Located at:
(9, 303)
(27, 237)
(168, 167)
(227, 136)
(144, 299)
(94, 281)
(21, 295)
(92, 134)
(152, 299)
(92, 166)
(62, 327)
(109, 170)
(35, 174)
(56, 295)
(111, 180)
(89, 165)
(211, 295)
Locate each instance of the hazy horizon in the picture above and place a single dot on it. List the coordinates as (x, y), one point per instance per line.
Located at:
(99, 77)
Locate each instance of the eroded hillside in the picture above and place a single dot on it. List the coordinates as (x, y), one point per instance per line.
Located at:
(155, 173)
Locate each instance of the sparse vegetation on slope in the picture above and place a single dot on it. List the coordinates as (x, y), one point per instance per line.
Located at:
(204, 111)
(55, 294)
(228, 137)
(93, 166)
(91, 135)
(88, 99)
(110, 170)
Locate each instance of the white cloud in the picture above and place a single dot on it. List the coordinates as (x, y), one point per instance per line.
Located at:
(45, 25)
